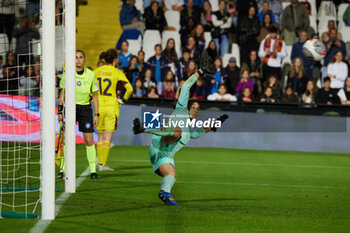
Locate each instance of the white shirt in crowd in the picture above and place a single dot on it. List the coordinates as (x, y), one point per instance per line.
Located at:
(216, 96)
(273, 62)
(342, 95)
(340, 70)
(170, 3)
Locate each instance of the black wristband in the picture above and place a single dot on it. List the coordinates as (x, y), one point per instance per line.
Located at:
(60, 109)
(124, 100)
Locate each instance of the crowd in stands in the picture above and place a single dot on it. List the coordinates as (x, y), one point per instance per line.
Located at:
(262, 29)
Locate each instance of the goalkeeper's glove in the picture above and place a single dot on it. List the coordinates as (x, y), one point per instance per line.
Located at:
(221, 118)
(206, 66)
(121, 101)
(138, 128)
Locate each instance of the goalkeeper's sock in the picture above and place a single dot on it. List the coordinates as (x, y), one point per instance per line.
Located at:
(99, 149)
(63, 164)
(106, 146)
(167, 183)
(91, 157)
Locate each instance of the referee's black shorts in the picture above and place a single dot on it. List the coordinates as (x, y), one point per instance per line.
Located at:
(84, 118)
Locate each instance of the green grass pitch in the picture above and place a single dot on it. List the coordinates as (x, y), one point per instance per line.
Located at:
(218, 190)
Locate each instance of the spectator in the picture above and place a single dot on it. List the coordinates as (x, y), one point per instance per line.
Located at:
(198, 34)
(25, 34)
(198, 3)
(337, 70)
(130, 17)
(295, 18)
(231, 75)
(195, 53)
(173, 5)
(10, 74)
(297, 78)
(206, 19)
(275, 86)
(265, 9)
(28, 84)
(201, 90)
(149, 80)
(2, 79)
(325, 37)
(310, 93)
(59, 13)
(7, 18)
(191, 69)
(327, 95)
(297, 51)
(264, 30)
(249, 28)
(211, 51)
(217, 78)
(152, 93)
(331, 25)
(177, 94)
(186, 31)
(246, 95)
(36, 68)
(141, 62)
(267, 97)
(276, 8)
(133, 71)
(333, 46)
(190, 11)
(272, 51)
(222, 21)
(171, 56)
(154, 17)
(139, 89)
(344, 93)
(243, 7)
(169, 87)
(124, 56)
(159, 66)
(222, 95)
(255, 71)
(184, 61)
(289, 96)
(33, 8)
(245, 81)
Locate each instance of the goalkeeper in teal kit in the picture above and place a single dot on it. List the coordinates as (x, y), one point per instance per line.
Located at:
(167, 141)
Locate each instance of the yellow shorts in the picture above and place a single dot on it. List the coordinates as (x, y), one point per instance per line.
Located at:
(108, 118)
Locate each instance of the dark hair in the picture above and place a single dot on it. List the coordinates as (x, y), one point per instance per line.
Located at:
(141, 51)
(125, 41)
(190, 103)
(326, 79)
(333, 59)
(263, 22)
(166, 78)
(345, 82)
(272, 29)
(132, 57)
(186, 50)
(80, 51)
(170, 54)
(158, 45)
(223, 85)
(7, 60)
(109, 56)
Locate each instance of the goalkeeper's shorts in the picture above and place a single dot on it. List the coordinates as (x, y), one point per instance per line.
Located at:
(108, 119)
(158, 158)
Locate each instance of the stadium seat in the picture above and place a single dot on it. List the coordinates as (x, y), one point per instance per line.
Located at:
(214, 5)
(286, 65)
(176, 36)
(287, 58)
(139, 6)
(341, 9)
(150, 39)
(173, 19)
(344, 30)
(323, 24)
(235, 53)
(226, 58)
(327, 8)
(134, 46)
(285, 4)
(4, 43)
(13, 44)
(207, 38)
(313, 23)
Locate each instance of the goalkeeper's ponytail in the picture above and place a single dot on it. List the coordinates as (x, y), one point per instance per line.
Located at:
(109, 56)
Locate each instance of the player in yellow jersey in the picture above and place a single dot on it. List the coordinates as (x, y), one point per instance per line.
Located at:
(108, 77)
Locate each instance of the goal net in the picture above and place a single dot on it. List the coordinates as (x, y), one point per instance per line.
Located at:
(21, 106)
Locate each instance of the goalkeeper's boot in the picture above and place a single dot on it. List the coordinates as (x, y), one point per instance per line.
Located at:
(167, 198)
(138, 128)
(104, 167)
(60, 175)
(94, 176)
